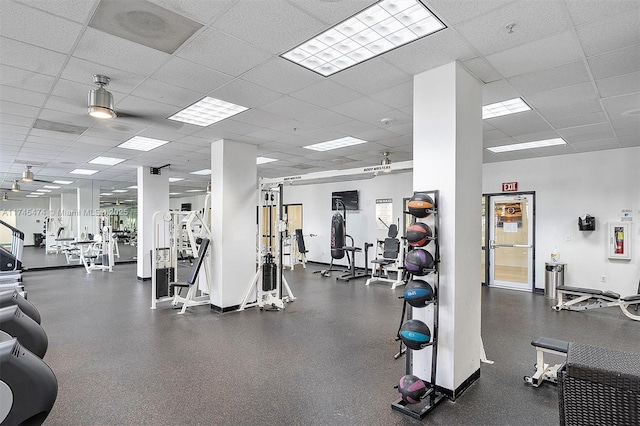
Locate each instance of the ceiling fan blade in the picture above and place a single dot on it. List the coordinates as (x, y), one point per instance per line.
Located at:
(43, 181)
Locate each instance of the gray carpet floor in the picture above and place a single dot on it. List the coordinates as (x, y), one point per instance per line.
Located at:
(327, 359)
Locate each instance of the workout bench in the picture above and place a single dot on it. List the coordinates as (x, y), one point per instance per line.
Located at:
(191, 284)
(580, 299)
(546, 372)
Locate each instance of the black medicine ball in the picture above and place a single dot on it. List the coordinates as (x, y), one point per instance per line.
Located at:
(418, 234)
(415, 334)
(420, 205)
(418, 293)
(411, 389)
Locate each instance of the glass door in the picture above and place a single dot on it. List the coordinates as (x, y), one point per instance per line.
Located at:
(511, 241)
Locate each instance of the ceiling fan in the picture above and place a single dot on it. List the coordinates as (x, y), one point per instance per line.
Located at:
(28, 176)
(5, 197)
(14, 188)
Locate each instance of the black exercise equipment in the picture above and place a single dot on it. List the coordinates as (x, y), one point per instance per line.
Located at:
(13, 297)
(19, 325)
(302, 249)
(28, 387)
(191, 284)
(390, 248)
(11, 260)
(546, 372)
(582, 299)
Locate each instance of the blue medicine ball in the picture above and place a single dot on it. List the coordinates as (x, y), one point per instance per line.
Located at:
(415, 334)
(418, 293)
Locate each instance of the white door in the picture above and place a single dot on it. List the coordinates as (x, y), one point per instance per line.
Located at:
(511, 241)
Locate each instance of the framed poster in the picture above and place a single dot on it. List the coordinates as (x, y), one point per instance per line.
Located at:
(619, 240)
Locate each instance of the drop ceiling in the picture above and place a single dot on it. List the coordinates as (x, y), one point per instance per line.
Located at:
(576, 63)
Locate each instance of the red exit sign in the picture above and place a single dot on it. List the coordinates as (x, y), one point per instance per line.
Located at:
(509, 186)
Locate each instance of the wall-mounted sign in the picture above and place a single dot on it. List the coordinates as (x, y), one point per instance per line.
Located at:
(509, 186)
(384, 212)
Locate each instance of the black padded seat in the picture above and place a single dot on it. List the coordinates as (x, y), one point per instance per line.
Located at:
(383, 262)
(351, 248)
(634, 298)
(551, 344)
(611, 294)
(580, 290)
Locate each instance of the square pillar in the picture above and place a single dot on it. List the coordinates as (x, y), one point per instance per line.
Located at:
(88, 203)
(447, 156)
(233, 217)
(153, 196)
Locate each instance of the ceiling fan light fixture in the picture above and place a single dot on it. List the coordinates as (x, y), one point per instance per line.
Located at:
(27, 174)
(209, 188)
(15, 187)
(385, 160)
(100, 100)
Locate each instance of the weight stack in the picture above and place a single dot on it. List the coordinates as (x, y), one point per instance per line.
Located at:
(269, 274)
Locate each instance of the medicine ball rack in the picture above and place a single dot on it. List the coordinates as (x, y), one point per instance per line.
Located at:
(432, 396)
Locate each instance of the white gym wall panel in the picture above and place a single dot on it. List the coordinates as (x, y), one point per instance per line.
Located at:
(233, 214)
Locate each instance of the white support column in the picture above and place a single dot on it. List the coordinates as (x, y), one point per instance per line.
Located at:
(233, 217)
(447, 155)
(153, 196)
(88, 203)
(69, 210)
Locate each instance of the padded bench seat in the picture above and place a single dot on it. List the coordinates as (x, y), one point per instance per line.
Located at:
(633, 298)
(580, 290)
(551, 344)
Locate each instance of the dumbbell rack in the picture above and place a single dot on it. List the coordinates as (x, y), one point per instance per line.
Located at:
(433, 396)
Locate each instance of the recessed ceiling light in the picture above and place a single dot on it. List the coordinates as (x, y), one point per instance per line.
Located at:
(174, 179)
(119, 190)
(528, 145)
(32, 196)
(377, 29)
(106, 193)
(207, 111)
(335, 144)
(51, 187)
(174, 193)
(134, 186)
(140, 143)
(194, 190)
(504, 108)
(43, 190)
(264, 160)
(107, 161)
(63, 182)
(83, 172)
(202, 172)
(37, 194)
(128, 201)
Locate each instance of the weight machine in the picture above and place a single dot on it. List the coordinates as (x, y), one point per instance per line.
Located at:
(269, 286)
(178, 234)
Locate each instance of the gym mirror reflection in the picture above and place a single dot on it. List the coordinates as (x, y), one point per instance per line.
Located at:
(50, 226)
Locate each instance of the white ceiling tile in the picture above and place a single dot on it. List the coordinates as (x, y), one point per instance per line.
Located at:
(430, 52)
(498, 91)
(363, 109)
(454, 12)
(537, 55)
(251, 20)
(629, 141)
(16, 77)
(183, 73)
(620, 85)
(82, 71)
(203, 11)
(325, 94)
(396, 96)
(622, 32)
(520, 123)
(26, 24)
(327, 12)
(21, 96)
(596, 145)
(482, 69)
(584, 11)
(102, 48)
(534, 20)
(563, 96)
(551, 78)
(572, 110)
(371, 76)
(490, 135)
(619, 62)
(290, 107)
(18, 109)
(211, 48)
(246, 94)
(323, 118)
(281, 75)
(167, 93)
(31, 58)
(587, 133)
(580, 120)
(78, 11)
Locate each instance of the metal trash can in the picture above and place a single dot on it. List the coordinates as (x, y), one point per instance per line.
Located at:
(553, 277)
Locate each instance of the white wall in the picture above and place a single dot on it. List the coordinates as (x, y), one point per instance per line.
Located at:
(197, 202)
(567, 186)
(361, 224)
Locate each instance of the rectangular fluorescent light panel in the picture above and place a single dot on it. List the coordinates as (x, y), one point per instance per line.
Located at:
(106, 193)
(83, 172)
(504, 108)
(107, 161)
(202, 172)
(207, 111)
(119, 190)
(265, 160)
(32, 196)
(43, 190)
(63, 182)
(528, 145)
(194, 190)
(174, 193)
(51, 187)
(381, 27)
(134, 186)
(174, 179)
(335, 144)
(140, 143)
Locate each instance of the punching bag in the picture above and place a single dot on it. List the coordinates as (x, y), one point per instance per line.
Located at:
(337, 236)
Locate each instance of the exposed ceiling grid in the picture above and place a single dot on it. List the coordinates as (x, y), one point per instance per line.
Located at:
(576, 63)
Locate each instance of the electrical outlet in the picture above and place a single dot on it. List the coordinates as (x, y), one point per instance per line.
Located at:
(568, 237)
(603, 278)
